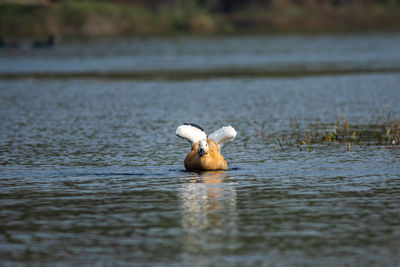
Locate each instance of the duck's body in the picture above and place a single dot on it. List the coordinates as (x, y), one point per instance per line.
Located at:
(212, 160)
(205, 153)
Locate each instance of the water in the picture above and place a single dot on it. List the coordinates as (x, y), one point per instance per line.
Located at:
(92, 172)
(323, 52)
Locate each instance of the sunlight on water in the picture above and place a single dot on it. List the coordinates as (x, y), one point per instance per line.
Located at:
(91, 171)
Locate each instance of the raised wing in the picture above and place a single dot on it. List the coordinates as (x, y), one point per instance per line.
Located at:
(191, 132)
(223, 135)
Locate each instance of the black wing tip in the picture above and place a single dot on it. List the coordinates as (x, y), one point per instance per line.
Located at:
(194, 125)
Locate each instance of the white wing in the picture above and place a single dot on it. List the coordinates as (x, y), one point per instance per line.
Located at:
(223, 135)
(191, 133)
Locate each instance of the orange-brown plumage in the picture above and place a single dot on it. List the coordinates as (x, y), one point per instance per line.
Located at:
(211, 160)
(205, 154)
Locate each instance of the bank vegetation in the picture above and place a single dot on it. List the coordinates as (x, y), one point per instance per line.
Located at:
(24, 18)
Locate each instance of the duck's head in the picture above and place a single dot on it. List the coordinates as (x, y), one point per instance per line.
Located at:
(203, 147)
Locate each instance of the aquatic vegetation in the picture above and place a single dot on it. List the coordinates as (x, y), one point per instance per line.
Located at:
(379, 132)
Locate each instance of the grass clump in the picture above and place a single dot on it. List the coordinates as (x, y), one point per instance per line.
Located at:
(379, 132)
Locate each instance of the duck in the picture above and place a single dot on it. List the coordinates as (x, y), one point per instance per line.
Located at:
(44, 44)
(10, 44)
(205, 153)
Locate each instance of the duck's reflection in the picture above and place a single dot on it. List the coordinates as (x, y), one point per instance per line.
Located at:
(208, 212)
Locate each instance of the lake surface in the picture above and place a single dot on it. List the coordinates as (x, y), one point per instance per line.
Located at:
(91, 172)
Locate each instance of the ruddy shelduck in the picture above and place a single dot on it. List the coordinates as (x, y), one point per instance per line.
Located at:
(205, 154)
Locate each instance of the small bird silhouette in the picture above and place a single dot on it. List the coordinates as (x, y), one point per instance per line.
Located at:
(44, 44)
(9, 44)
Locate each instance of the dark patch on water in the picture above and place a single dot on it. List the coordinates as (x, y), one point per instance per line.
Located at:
(113, 174)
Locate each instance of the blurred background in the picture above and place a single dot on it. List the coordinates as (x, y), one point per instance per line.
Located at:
(21, 18)
(91, 171)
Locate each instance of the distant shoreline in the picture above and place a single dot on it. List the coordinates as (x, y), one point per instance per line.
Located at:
(195, 74)
(104, 18)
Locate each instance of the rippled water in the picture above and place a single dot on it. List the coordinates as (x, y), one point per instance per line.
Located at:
(92, 172)
(299, 52)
